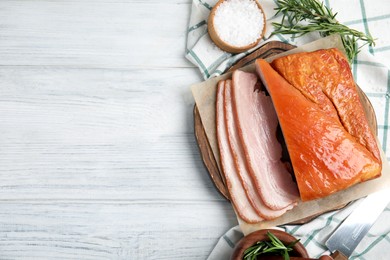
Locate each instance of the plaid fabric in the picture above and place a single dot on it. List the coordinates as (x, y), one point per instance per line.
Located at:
(375, 245)
(370, 70)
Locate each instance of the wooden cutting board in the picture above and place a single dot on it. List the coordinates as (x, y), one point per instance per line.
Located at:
(267, 50)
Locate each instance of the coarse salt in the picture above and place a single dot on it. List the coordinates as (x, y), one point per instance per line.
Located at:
(239, 22)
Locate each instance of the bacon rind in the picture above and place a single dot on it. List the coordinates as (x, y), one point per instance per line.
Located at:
(326, 76)
(326, 158)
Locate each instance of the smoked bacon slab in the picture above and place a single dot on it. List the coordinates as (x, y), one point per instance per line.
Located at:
(329, 149)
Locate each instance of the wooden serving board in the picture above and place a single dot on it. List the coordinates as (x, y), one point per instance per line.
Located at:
(267, 50)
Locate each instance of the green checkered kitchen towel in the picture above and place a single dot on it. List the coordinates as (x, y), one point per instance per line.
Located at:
(370, 70)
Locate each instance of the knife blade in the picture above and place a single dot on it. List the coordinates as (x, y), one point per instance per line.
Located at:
(353, 229)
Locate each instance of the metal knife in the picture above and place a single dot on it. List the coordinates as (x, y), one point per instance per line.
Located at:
(347, 236)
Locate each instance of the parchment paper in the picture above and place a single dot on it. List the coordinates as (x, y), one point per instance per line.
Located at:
(205, 93)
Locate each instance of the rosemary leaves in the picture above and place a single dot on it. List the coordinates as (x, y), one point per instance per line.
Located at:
(304, 16)
(274, 246)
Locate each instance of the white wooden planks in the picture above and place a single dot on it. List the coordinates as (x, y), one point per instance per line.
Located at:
(97, 154)
(58, 230)
(99, 134)
(114, 34)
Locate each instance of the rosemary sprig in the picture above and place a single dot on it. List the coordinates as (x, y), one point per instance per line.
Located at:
(304, 16)
(274, 246)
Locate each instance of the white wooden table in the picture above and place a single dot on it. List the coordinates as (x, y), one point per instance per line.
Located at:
(98, 158)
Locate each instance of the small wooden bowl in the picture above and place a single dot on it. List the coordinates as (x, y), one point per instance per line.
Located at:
(224, 45)
(261, 235)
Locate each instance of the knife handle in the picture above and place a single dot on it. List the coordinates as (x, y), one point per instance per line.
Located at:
(338, 256)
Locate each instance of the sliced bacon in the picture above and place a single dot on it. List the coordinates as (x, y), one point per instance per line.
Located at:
(237, 193)
(257, 124)
(239, 160)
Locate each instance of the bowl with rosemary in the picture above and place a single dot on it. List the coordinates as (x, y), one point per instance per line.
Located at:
(268, 243)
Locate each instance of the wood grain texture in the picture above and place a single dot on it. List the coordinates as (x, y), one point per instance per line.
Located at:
(98, 158)
(94, 34)
(208, 157)
(92, 133)
(106, 230)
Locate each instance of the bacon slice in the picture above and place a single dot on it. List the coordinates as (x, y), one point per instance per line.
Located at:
(237, 193)
(257, 123)
(239, 160)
